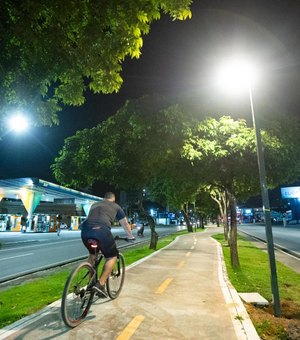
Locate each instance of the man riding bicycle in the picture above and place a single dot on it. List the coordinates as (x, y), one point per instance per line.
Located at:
(98, 226)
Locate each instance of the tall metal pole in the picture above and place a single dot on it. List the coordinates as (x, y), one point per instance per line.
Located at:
(266, 207)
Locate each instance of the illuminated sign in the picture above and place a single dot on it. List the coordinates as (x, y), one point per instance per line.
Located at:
(290, 192)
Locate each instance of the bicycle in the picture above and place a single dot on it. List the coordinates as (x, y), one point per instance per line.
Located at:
(79, 289)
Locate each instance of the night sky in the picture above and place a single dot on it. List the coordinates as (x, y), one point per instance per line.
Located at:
(179, 58)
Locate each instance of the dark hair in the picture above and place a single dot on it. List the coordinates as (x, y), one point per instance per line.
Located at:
(109, 195)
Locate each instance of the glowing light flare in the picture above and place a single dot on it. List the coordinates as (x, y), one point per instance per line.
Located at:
(236, 74)
(18, 123)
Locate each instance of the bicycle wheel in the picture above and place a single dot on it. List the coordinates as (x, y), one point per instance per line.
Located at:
(116, 279)
(78, 295)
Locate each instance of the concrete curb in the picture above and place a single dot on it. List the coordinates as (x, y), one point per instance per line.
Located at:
(27, 320)
(242, 323)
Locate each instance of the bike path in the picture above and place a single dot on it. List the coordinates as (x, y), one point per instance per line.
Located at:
(180, 292)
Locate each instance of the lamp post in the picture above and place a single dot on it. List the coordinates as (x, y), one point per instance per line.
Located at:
(242, 73)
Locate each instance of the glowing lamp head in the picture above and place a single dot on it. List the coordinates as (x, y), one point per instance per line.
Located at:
(236, 74)
(18, 123)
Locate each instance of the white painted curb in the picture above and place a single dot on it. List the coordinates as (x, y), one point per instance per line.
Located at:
(242, 323)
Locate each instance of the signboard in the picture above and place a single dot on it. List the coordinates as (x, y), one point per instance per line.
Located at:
(290, 192)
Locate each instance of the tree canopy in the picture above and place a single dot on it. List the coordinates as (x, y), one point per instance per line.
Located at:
(128, 149)
(52, 51)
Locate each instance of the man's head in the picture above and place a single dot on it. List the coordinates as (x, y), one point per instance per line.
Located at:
(110, 196)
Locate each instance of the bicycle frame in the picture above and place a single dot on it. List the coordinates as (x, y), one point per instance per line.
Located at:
(79, 289)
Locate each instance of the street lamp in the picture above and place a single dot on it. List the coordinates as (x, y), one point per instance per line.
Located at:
(238, 73)
(18, 122)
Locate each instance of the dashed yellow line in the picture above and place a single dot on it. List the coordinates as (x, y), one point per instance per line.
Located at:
(188, 254)
(163, 286)
(180, 264)
(131, 328)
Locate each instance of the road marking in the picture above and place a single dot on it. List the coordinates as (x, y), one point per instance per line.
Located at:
(131, 328)
(12, 257)
(163, 286)
(180, 264)
(188, 254)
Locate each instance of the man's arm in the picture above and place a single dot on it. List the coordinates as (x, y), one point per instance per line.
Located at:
(124, 223)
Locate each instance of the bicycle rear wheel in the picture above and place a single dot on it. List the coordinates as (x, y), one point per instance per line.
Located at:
(116, 279)
(78, 294)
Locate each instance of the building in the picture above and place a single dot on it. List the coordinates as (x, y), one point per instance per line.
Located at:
(33, 204)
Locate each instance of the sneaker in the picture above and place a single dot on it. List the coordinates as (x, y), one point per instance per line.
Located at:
(100, 290)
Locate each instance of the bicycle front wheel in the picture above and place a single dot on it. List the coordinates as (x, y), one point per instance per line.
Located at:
(116, 279)
(78, 294)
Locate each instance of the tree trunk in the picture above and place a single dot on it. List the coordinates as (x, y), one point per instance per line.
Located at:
(219, 196)
(234, 256)
(187, 221)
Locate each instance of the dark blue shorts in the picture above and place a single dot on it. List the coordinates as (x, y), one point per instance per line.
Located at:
(104, 236)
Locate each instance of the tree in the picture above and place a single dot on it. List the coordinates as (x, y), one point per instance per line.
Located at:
(175, 185)
(52, 51)
(128, 150)
(224, 151)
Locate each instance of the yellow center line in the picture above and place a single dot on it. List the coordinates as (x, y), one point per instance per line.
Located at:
(163, 286)
(180, 264)
(131, 328)
(188, 254)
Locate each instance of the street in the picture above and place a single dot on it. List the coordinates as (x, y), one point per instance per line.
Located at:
(286, 238)
(29, 252)
(25, 253)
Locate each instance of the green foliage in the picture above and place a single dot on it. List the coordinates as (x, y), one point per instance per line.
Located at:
(126, 150)
(224, 150)
(52, 51)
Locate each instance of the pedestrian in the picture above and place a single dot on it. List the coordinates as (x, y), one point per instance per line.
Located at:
(284, 219)
(23, 224)
(58, 224)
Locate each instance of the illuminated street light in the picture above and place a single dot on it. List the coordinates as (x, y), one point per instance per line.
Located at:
(18, 123)
(239, 74)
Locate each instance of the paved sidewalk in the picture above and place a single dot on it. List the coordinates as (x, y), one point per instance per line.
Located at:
(180, 292)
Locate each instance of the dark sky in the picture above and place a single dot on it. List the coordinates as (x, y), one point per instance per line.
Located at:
(179, 57)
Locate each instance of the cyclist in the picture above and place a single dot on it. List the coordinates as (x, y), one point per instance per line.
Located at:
(98, 226)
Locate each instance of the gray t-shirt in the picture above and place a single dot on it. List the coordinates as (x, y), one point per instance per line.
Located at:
(104, 213)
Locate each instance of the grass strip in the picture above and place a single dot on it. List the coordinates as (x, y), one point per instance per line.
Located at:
(253, 275)
(20, 301)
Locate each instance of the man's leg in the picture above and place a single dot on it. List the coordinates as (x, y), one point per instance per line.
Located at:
(107, 269)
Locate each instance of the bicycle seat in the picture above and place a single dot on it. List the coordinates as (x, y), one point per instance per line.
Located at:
(93, 243)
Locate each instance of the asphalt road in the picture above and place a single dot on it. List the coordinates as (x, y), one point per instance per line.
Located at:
(29, 252)
(285, 238)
